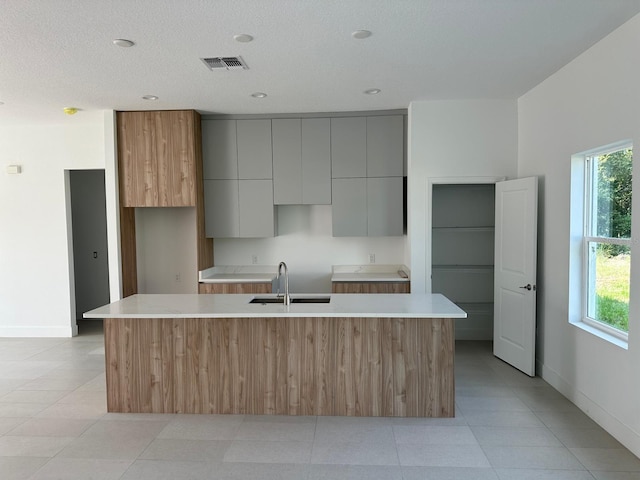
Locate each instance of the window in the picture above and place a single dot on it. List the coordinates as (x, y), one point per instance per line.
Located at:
(606, 243)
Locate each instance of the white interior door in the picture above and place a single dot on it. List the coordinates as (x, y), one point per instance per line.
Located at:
(514, 324)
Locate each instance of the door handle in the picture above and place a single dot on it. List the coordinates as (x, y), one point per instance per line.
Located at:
(528, 286)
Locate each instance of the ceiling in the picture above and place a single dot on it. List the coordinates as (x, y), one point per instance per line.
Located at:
(59, 53)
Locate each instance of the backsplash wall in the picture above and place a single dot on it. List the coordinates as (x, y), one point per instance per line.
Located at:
(305, 243)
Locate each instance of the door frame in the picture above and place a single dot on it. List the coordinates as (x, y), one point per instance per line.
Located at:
(431, 181)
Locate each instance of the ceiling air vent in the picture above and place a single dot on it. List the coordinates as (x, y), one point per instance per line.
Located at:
(226, 63)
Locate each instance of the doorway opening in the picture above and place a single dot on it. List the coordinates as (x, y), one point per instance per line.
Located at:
(462, 253)
(89, 239)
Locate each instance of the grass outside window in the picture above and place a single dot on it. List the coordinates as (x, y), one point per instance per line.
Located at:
(612, 289)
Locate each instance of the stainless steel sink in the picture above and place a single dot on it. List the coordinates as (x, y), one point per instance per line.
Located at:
(266, 300)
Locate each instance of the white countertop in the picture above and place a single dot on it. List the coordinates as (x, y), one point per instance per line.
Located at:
(369, 273)
(413, 305)
(239, 274)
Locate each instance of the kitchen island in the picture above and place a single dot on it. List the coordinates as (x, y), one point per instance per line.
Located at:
(358, 355)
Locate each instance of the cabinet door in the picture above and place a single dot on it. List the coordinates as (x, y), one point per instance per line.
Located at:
(219, 149)
(287, 163)
(176, 154)
(234, 288)
(385, 146)
(221, 208)
(254, 149)
(256, 208)
(157, 158)
(349, 147)
(316, 161)
(136, 159)
(384, 206)
(349, 207)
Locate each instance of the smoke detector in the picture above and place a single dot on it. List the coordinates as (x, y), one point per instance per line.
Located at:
(225, 63)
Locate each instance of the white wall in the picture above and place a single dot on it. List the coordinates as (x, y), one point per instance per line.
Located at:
(457, 138)
(305, 243)
(593, 101)
(35, 289)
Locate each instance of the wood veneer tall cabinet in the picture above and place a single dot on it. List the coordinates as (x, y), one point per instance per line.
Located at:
(159, 165)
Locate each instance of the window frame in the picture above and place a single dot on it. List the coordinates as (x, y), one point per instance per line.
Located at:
(589, 227)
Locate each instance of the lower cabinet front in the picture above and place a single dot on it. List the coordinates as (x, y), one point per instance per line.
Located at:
(285, 366)
(370, 287)
(262, 287)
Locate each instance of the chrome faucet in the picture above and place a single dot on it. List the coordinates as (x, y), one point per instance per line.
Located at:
(287, 299)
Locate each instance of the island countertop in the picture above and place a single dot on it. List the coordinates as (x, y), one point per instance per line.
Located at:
(412, 305)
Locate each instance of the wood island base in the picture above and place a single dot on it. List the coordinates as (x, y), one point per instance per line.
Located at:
(400, 367)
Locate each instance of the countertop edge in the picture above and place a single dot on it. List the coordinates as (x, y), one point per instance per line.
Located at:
(239, 306)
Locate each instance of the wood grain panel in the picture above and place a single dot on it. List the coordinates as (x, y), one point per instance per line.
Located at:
(128, 255)
(284, 366)
(163, 148)
(255, 288)
(370, 287)
(159, 165)
(183, 171)
(204, 244)
(136, 159)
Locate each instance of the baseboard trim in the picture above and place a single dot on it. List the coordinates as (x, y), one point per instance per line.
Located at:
(615, 427)
(37, 331)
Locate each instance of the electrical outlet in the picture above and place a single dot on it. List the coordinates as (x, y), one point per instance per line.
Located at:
(372, 258)
(254, 259)
(177, 278)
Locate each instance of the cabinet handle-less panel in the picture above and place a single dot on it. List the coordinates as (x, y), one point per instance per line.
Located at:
(219, 149)
(204, 288)
(349, 147)
(254, 149)
(385, 146)
(157, 158)
(349, 207)
(137, 162)
(222, 213)
(287, 161)
(316, 161)
(384, 206)
(256, 208)
(181, 182)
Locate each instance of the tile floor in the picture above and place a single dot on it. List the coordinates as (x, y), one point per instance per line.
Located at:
(54, 425)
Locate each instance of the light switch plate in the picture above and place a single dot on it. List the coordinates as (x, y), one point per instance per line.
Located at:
(14, 169)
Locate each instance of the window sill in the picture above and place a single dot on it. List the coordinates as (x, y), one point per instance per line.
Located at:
(624, 344)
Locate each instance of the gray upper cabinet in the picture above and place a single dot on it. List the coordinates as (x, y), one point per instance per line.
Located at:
(367, 207)
(354, 164)
(221, 212)
(316, 161)
(349, 207)
(349, 147)
(384, 206)
(254, 149)
(287, 164)
(256, 208)
(301, 161)
(219, 149)
(239, 208)
(385, 146)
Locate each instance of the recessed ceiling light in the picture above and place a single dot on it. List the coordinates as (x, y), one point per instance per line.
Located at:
(360, 34)
(372, 91)
(150, 97)
(121, 42)
(258, 95)
(243, 38)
